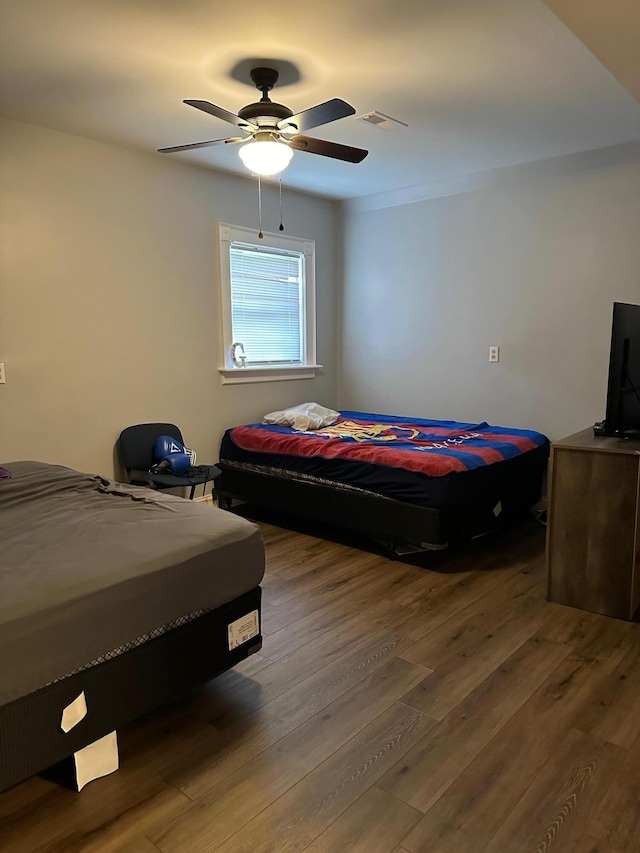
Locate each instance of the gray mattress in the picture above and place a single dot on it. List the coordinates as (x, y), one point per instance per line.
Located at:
(88, 565)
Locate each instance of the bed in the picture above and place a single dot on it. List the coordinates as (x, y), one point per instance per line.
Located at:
(410, 483)
(124, 594)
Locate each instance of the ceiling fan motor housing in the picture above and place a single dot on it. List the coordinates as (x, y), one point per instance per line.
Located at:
(267, 110)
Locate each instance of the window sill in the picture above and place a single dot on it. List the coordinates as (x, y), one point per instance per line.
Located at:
(245, 375)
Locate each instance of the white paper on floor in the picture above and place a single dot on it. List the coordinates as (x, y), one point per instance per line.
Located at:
(98, 759)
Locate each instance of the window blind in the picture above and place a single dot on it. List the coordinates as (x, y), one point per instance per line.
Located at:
(267, 303)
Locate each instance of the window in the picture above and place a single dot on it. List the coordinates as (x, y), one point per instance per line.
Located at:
(268, 306)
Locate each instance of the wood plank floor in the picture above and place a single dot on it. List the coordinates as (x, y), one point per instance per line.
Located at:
(437, 705)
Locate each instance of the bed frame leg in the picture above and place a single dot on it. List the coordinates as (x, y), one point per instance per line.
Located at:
(224, 501)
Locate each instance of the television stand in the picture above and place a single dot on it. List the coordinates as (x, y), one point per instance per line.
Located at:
(593, 531)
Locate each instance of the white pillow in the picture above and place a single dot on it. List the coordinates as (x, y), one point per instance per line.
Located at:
(303, 417)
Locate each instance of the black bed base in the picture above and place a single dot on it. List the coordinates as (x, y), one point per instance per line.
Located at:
(119, 690)
(395, 524)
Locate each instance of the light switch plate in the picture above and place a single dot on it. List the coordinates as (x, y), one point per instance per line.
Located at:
(3, 377)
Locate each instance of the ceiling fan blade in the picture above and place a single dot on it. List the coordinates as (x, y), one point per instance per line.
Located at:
(320, 114)
(218, 112)
(192, 145)
(328, 149)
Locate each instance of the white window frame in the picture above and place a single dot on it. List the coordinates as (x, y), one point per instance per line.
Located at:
(232, 373)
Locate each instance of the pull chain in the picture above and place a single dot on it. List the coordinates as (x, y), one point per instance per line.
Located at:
(281, 225)
(260, 234)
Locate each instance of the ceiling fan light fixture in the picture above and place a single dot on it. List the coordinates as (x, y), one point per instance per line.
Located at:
(266, 157)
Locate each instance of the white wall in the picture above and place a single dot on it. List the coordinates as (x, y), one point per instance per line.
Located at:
(108, 300)
(533, 267)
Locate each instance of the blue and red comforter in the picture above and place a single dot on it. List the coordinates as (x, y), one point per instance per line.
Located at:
(434, 448)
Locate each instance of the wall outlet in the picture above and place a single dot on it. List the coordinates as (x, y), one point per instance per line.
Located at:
(494, 354)
(3, 377)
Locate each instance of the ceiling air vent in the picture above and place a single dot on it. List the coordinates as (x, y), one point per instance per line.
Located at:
(381, 120)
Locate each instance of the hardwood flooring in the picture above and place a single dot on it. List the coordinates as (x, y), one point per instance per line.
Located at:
(438, 705)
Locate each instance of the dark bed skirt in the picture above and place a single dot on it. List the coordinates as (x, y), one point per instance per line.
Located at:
(394, 523)
(119, 690)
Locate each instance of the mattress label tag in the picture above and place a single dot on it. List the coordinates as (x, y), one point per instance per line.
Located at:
(243, 629)
(497, 509)
(73, 713)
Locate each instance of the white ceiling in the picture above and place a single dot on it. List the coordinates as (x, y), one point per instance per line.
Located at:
(482, 83)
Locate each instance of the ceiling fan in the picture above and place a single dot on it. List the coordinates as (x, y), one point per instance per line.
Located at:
(272, 131)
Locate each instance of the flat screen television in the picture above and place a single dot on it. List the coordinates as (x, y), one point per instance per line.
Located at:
(623, 391)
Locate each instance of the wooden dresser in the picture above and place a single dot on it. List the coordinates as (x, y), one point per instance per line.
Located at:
(592, 524)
